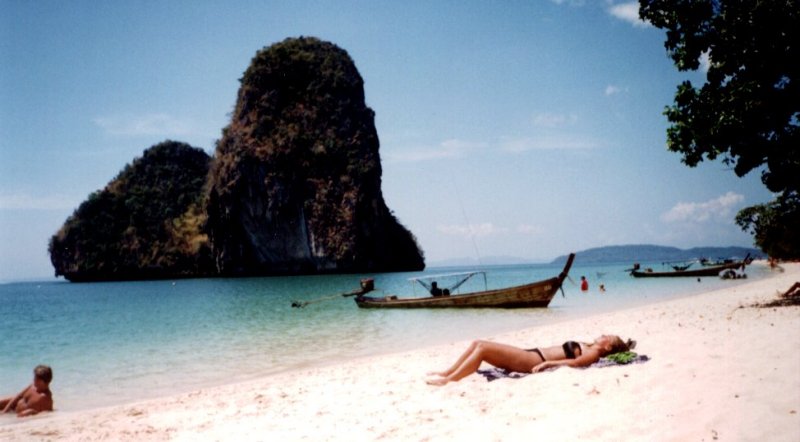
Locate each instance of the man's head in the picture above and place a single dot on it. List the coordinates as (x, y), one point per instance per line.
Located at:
(43, 373)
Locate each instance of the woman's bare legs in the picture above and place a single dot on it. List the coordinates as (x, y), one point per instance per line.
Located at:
(459, 361)
(500, 355)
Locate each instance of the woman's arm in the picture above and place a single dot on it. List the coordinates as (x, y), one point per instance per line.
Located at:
(588, 358)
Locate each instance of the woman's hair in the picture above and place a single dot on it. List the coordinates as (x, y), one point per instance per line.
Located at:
(618, 345)
(44, 373)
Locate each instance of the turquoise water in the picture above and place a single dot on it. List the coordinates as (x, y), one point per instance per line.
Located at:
(112, 343)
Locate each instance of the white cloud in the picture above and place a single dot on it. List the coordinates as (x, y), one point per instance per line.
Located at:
(452, 148)
(705, 61)
(718, 209)
(455, 148)
(461, 145)
(27, 202)
(152, 124)
(612, 89)
(628, 12)
(554, 120)
(519, 145)
(569, 2)
(528, 229)
(478, 230)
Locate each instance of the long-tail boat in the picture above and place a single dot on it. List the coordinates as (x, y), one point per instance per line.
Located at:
(638, 272)
(535, 294)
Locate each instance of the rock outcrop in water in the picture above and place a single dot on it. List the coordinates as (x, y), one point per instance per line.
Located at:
(145, 224)
(295, 186)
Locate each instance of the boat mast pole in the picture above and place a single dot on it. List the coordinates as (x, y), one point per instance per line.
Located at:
(469, 226)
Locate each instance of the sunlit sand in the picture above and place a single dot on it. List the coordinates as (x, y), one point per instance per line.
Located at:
(717, 370)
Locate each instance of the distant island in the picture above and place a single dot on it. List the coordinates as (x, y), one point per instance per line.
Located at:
(627, 254)
(650, 253)
(294, 187)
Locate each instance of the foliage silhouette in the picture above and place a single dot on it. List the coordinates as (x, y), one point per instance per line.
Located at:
(748, 110)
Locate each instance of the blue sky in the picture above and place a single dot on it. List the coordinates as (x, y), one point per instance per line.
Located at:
(514, 128)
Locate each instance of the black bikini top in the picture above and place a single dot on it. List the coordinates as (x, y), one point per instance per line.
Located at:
(570, 349)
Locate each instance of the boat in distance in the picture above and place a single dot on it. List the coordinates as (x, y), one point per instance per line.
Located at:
(535, 294)
(637, 272)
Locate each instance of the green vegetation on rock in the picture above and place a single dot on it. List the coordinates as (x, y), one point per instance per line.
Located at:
(295, 187)
(296, 182)
(145, 224)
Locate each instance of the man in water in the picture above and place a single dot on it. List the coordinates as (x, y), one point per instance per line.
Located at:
(33, 399)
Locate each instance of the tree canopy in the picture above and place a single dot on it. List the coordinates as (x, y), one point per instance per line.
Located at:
(747, 113)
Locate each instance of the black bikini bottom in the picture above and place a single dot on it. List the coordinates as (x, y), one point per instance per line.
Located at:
(538, 352)
(570, 350)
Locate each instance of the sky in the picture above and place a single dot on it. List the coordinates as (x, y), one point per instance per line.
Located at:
(524, 129)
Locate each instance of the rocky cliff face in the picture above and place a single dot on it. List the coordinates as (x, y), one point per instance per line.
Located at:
(295, 186)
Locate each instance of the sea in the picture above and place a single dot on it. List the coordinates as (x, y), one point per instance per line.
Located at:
(120, 342)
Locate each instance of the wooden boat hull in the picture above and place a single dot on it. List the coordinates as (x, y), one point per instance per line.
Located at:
(536, 294)
(705, 271)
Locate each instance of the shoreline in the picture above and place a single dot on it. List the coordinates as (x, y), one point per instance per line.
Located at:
(715, 370)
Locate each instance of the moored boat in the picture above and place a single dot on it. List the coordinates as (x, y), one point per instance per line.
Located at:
(638, 272)
(535, 294)
(709, 263)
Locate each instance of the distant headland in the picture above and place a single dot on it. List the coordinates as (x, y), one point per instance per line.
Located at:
(626, 254)
(651, 253)
(294, 187)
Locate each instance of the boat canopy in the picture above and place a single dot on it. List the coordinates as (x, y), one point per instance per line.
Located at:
(459, 278)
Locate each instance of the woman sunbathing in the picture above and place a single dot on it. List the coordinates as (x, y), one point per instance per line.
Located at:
(533, 360)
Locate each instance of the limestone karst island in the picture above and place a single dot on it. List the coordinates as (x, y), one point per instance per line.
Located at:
(293, 188)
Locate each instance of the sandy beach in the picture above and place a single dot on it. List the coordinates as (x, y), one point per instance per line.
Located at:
(718, 370)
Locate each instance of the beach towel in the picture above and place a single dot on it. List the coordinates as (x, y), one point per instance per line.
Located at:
(623, 358)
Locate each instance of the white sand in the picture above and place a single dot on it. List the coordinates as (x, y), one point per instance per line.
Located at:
(717, 372)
